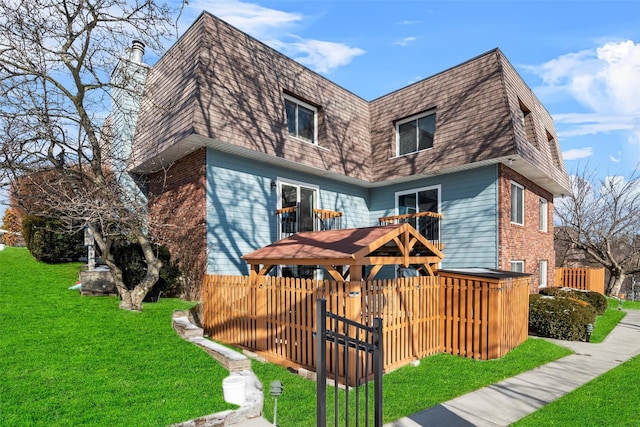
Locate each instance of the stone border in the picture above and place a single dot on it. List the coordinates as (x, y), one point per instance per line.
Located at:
(234, 362)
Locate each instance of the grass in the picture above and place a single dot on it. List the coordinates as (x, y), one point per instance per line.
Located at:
(609, 400)
(607, 321)
(437, 379)
(72, 360)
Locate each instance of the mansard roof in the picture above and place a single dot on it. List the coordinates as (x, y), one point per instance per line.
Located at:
(221, 88)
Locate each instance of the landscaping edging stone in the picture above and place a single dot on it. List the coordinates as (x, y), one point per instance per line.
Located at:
(234, 362)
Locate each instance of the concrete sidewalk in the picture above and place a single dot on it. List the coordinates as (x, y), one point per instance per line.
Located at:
(514, 398)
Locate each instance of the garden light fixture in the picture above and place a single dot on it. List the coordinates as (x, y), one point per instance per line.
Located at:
(275, 390)
(589, 330)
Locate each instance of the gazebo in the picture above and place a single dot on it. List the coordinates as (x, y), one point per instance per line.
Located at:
(350, 254)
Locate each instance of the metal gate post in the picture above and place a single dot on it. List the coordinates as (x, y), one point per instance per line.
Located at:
(378, 367)
(321, 365)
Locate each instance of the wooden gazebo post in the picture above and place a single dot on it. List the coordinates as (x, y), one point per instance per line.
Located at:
(353, 311)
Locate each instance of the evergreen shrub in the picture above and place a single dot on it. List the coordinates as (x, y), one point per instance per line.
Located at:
(559, 317)
(50, 241)
(596, 299)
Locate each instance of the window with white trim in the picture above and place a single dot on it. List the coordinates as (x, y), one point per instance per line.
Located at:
(517, 203)
(415, 133)
(543, 215)
(302, 119)
(542, 273)
(517, 266)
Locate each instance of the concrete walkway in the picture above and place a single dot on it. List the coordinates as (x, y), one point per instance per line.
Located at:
(514, 398)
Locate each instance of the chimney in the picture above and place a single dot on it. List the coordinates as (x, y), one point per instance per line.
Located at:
(137, 51)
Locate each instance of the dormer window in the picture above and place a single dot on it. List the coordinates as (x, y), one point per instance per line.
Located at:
(526, 119)
(553, 149)
(302, 119)
(415, 133)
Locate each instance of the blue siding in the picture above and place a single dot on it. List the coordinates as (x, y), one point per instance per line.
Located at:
(469, 205)
(241, 206)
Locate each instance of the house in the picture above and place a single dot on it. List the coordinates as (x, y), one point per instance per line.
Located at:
(241, 146)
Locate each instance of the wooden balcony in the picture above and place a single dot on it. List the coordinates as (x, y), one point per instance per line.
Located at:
(427, 223)
(291, 221)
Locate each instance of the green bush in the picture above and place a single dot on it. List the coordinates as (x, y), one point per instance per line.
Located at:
(130, 258)
(559, 317)
(50, 241)
(598, 301)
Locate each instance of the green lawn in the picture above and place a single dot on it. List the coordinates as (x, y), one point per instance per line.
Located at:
(72, 360)
(68, 360)
(609, 400)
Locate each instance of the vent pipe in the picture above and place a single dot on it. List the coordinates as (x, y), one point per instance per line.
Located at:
(137, 51)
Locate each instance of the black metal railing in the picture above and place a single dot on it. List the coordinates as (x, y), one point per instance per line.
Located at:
(290, 221)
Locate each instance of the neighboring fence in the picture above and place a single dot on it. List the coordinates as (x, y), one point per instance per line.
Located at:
(585, 278)
(275, 316)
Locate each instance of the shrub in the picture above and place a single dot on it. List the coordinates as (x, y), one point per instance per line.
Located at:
(49, 240)
(598, 301)
(559, 317)
(130, 258)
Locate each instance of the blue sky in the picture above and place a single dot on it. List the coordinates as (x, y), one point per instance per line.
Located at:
(582, 58)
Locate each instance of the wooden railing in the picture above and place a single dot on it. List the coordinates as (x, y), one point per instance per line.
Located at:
(290, 222)
(275, 316)
(427, 223)
(585, 278)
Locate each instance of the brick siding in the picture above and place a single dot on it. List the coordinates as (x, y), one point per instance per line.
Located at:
(177, 206)
(526, 242)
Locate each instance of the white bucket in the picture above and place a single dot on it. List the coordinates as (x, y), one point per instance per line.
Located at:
(233, 389)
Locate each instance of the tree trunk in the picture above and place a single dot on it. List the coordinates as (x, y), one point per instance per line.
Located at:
(615, 284)
(131, 298)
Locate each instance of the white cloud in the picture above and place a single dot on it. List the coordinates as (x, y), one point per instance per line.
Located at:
(405, 41)
(605, 80)
(580, 124)
(275, 27)
(577, 153)
(259, 21)
(616, 159)
(407, 22)
(321, 56)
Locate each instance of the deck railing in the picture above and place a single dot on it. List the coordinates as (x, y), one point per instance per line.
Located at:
(290, 222)
(427, 223)
(463, 315)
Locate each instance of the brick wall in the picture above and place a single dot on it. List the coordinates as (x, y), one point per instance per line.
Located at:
(177, 212)
(525, 242)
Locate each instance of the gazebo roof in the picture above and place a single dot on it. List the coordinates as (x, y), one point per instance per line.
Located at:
(374, 246)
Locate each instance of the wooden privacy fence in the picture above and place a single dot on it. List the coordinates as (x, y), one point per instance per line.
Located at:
(585, 278)
(275, 317)
(483, 318)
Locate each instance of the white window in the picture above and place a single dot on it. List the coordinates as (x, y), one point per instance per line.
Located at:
(542, 273)
(415, 133)
(543, 215)
(517, 266)
(302, 119)
(517, 204)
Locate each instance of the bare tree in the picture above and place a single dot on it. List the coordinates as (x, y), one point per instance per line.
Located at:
(56, 148)
(601, 218)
